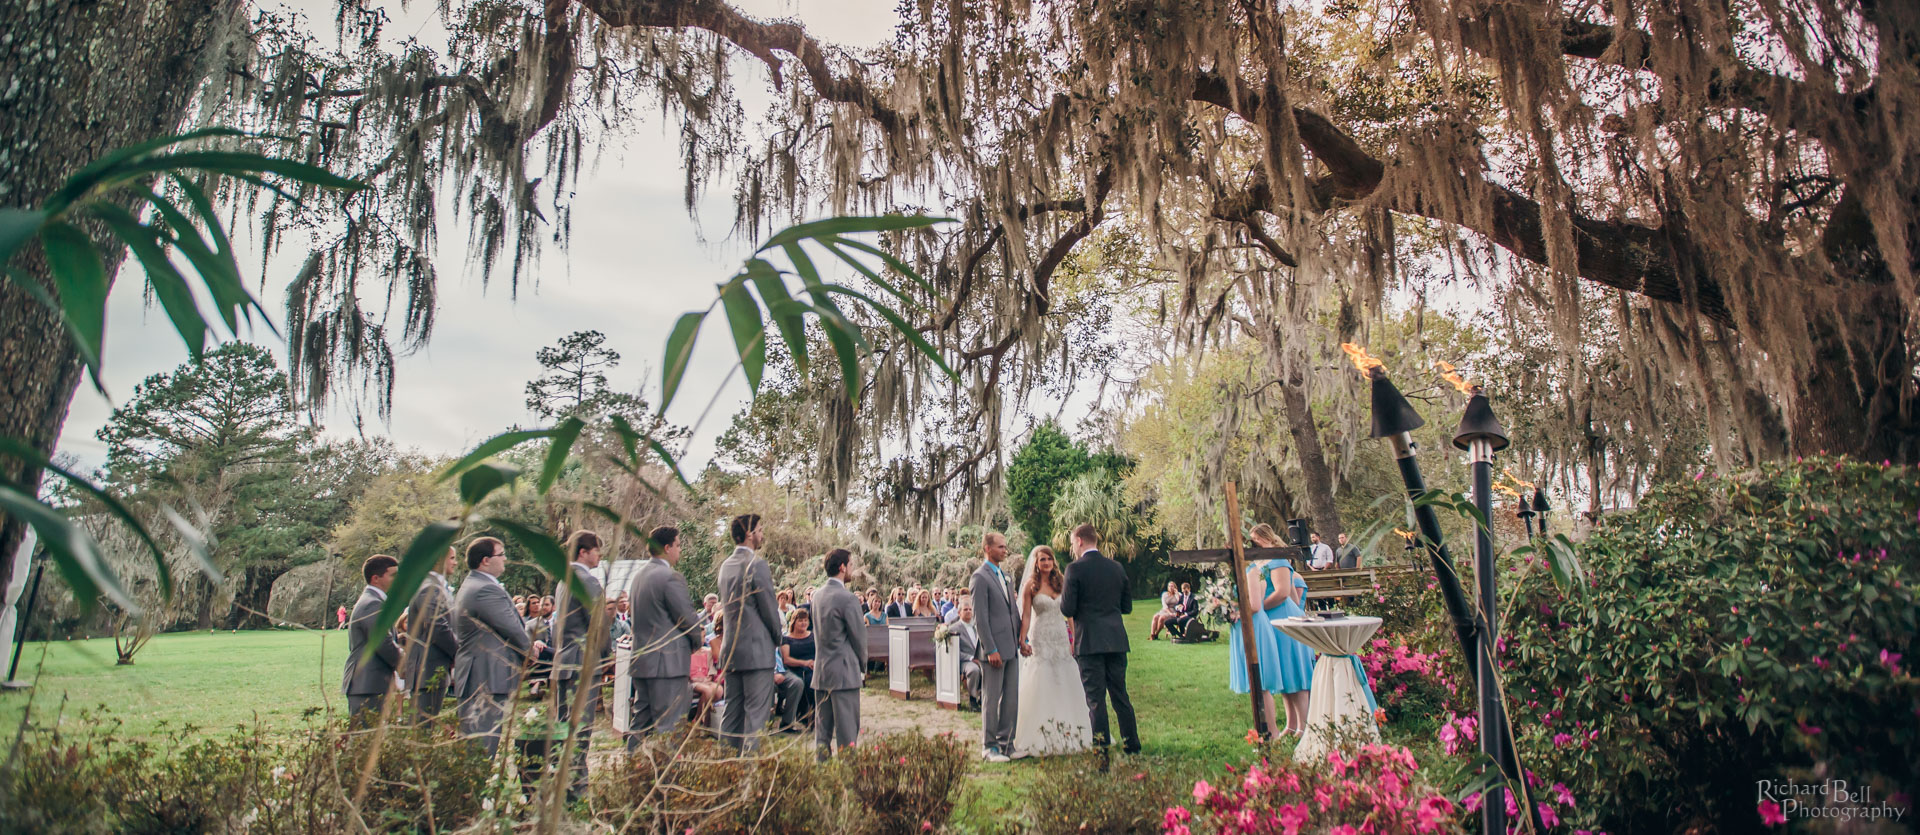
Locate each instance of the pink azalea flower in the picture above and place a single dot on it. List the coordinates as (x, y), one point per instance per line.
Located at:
(1431, 813)
(1292, 817)
(1770, 813)
(1177, 815)
(1202, 791)
(1561, 793)
(1819, 662)
(1513, 808)
(1471, 803)
(1547, 815)
(1343, 829)
(1561, 740)
(1890, 660)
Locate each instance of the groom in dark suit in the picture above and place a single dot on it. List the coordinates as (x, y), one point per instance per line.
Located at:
(1098, 593)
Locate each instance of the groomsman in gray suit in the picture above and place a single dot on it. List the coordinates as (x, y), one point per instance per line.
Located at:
(997, 620)
(666, 634)
(840, 664)
(494, 646)
(368, 678)
(580, 644)
(751, 637)
(427, 666)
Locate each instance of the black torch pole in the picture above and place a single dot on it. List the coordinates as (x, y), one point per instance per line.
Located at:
(1493, 812)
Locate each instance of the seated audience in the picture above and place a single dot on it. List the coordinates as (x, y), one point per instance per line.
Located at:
(796, 654)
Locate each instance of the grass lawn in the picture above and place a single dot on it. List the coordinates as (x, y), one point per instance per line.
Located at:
(213, 681)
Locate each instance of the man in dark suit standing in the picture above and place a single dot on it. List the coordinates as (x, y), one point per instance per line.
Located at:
(840, 666)
(494, 646)
(580, 643)
(1098, 593)
(666, 634)
(751, 638)
(368, 677)
(427, 665)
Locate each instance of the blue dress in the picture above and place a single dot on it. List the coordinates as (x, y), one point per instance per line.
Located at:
(1293, 664)
(1264, 637)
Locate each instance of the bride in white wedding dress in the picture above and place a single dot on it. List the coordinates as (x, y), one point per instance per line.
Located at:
(1053, 706)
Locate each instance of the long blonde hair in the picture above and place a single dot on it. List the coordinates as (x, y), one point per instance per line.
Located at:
(1055, 579)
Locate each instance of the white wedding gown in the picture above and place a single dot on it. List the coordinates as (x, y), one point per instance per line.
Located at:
(1053, 707)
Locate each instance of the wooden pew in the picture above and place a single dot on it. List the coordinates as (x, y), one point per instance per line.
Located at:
(919, 655)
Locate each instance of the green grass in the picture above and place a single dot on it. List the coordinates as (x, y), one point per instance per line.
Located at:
(212, 681)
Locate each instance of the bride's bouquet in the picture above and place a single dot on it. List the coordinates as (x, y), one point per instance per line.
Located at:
(1221, 607)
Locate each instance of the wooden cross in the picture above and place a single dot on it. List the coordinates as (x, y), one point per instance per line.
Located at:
(1237, 554)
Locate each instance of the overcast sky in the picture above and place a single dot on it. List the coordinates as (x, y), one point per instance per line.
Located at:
(635, 264)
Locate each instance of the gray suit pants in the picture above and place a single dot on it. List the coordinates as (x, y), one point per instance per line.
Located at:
(658, 706)
(970, 680)
(583, 728)
(749, 703)
(788, 693)
(480, 715)
(430, 695)
(364, 711)
(836, 720)
(999, 703)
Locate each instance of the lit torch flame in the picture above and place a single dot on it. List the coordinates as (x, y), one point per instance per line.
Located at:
(1361, 359)
(1450, 375)
(1524, 484)
(1507, 490)
(1407, 535)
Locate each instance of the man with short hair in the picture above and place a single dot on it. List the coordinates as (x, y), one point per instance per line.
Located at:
(1349, 554)
(369, 676)
(897, 606)
(580, 644)
(427, 666)
(1322, 554)
(494, 646)
(751, 637)
(998, 627)
(1098, 593)
(666, 634)
(840, 664)
(969, 641)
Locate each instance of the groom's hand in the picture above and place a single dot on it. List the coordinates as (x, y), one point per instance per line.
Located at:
(1026, 649)
(994, 659)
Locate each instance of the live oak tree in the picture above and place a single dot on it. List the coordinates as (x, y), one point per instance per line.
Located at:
(1737, 177)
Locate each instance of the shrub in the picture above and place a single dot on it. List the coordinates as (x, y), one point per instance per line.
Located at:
(1415, 688)
(1080, 794)
(1377, 789)
(697, 785)
(1732, 630)
(904, 782)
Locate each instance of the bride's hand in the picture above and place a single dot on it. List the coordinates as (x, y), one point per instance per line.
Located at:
(1026, 649)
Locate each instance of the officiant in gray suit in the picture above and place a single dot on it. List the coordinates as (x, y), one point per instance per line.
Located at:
(840, 663)
(666, 634)
(752, 635)
(427, 666)
(494, 646)
(368, 677)
(997, 622)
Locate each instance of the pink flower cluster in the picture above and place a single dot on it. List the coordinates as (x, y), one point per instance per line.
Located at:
(1376, 790)
(1459, 733)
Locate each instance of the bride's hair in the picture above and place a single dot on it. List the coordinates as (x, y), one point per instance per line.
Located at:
(1054, 578)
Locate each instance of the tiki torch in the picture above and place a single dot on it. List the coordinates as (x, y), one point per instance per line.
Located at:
(1395, 419)
(1480, 435)
(1524, 510)
(1541, 507)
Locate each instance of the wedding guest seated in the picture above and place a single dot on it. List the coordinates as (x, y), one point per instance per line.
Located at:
(789, 695)
(708, 687)
(923, 606)
(1168, 600)
(796, 655)
(784, 600)
(876, 611)
(969, 641)
(897, 606)
(965, 597)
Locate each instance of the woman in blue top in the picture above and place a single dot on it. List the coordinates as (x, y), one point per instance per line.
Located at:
(1293, 663)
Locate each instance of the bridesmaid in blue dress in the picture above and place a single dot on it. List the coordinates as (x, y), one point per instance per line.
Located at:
(1293, 663)
(1264, 637)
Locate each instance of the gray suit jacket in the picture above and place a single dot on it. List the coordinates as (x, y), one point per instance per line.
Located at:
(1098, 593)
(493, 640)
(840, 633)
(995, 617)
(571, 623)
(969, 644)
(433, 644)
(374, 675)
(752, 616)
(666, 627)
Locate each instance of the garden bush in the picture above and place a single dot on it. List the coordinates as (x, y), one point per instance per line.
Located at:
(904, 782)
(1087, 793)
(1377, 789)
(1731, 630)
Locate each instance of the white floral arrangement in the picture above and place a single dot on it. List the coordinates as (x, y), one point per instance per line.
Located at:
(941, 634)
(1221, 606)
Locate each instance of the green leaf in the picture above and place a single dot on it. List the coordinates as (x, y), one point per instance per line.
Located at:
(72, 550)
(33, 288)
(235, 162)
(429, 546)
(562, 444)
(176, 298)
(483, 479)
(105, 167)
(679, 352)
(81, 281)
(493, 446)
(16, 227)
(545, 551)
(872, 276)
(234, 295)
(848, 225)
(900, 324)
(220, 274)
(894, 263)
(629, 438)
(661, 450)
(773, 291)
(749, 330)
(614, 516)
